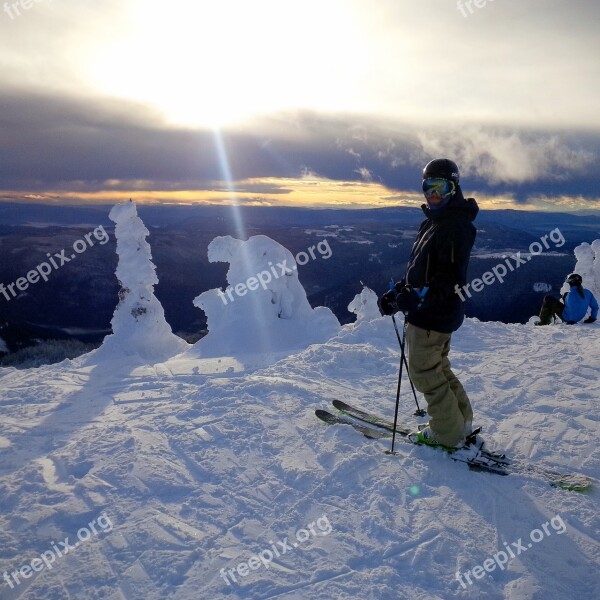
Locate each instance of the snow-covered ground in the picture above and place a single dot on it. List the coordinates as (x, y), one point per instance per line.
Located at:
(205, 477)
(199, 473)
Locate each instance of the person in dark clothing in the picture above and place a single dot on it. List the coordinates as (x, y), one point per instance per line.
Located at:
(433, 310)
(574, 306)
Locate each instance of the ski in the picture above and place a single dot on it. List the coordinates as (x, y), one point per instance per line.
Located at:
(568, 481)
(468, 454)
(368, 432)
(362, 415)
(375, 427)
(372, 419)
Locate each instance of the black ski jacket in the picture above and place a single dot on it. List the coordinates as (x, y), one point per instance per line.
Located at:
(439, 261)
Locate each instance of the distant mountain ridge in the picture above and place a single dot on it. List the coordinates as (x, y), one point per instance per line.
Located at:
(370, 245)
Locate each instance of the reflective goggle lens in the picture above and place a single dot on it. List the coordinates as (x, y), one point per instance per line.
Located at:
(436, 186)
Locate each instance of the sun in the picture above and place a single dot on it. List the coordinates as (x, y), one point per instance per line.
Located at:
(209, 63)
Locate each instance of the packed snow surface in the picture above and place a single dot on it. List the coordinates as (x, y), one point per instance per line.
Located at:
(199, 473)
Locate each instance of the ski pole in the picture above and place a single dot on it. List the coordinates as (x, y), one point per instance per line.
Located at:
(399, 382)
(419, 412)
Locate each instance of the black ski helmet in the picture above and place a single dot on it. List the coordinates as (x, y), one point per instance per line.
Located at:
(574, 279)
(442, 167)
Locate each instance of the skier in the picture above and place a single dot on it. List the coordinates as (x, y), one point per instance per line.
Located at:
(433, 310)
(574, 305)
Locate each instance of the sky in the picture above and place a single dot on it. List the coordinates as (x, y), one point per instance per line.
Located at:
(313, 103)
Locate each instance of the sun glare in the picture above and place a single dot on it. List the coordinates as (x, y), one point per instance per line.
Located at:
(206, 63)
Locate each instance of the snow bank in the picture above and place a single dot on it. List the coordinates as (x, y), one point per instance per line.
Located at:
(264, 309)
(139, 325)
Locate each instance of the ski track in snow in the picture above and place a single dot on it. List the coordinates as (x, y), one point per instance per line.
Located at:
(199, 470)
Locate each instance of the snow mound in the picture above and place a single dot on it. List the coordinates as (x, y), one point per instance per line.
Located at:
(264, 309)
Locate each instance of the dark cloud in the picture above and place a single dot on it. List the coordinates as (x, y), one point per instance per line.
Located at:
(63, 143)
(50, 141)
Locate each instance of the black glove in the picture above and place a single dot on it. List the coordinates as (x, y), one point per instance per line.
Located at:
(407, 300)
(589, 320)
(387, 303)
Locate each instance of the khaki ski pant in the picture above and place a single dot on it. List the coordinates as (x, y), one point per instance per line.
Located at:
(447, 402)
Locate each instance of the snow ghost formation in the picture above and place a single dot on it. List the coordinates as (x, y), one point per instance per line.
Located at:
(138, 324)
(364, 306)
(264, 308)
(588, 266)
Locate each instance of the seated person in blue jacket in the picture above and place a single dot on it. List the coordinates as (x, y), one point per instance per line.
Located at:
(574, 305)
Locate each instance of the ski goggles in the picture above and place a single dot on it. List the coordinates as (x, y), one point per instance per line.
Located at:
(437, 186)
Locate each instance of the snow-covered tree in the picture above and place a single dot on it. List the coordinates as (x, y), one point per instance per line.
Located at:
(365, 306)
(594, 283)
(588, 266)
(264, 308)
(138, 324)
